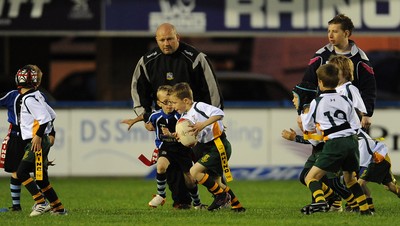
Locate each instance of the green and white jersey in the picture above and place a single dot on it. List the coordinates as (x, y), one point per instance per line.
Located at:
(35, 112)
(333, 114)
(350, 91)
(200, 112)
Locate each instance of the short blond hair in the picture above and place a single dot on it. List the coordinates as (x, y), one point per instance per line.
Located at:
(164, 88)
(345, 65)
(182, 90)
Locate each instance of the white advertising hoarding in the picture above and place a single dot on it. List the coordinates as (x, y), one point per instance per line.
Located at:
(93, 142)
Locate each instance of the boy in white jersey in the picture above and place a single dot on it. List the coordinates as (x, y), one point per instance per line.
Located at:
(348, 90)
(334, 115)
(379, 167)
(303, 94)
(214, 146)
(13, 143)
(36, 121)
(375, 162)
(170, 151)
(345, 86)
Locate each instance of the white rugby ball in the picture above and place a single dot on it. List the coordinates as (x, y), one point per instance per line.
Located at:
(182, 129)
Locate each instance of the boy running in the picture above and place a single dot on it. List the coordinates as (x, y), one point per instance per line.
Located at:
(371, 168)
(378, 169)
(303, 94)
(164, 121)
(215, 147)
(13, 145)
(334, 115)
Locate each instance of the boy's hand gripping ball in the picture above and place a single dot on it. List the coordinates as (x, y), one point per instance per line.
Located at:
(183, 132)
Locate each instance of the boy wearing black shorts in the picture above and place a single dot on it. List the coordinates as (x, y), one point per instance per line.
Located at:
(170, 151)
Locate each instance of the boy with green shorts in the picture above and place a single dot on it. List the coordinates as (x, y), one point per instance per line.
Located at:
(334, 115)
(36, 122)
(214, 146)
(378, 169)
(169, 149)
(303, 94)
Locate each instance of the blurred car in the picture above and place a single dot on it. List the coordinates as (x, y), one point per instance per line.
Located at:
(235, 87)
(247, 86)
(386, 66)
(77, 86)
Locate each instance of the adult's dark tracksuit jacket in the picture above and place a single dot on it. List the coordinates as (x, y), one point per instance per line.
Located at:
(364, 78)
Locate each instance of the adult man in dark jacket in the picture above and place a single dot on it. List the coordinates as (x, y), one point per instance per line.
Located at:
(170, 63)
(339, 31)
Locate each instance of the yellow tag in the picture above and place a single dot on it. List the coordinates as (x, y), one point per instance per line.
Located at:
(224, 159)
(39, 165)
(313, 136)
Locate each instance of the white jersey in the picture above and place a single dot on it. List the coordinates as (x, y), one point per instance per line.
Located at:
(350, 91)
(367, 147)
(318, 133)
(200, 112)
(35, 112)
(334, 115)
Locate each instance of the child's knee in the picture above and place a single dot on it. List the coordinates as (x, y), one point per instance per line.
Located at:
(362, 182)
(22, 176)
(161, 168)
(193, 172)
(189, 180)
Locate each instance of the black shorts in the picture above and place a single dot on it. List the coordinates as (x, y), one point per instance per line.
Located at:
(182, 158)
(15, 152)
(378, 172)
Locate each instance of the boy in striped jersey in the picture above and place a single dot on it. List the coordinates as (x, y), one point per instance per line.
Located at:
(13, 145)
(12, 148)
(335, 116)
(169, 149)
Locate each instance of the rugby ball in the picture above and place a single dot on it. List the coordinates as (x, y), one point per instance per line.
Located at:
(182, 129)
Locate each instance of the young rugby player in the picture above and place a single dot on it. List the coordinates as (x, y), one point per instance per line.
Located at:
(36, 123)
(303, 94)
(215, 147)
(169, 149)
(335, 116)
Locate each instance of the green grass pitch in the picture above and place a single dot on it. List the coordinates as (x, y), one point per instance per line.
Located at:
(123, 201)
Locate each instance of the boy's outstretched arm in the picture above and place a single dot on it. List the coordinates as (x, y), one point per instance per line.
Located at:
(131, 122)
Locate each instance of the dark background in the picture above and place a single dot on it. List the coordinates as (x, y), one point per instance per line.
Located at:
(100, 68)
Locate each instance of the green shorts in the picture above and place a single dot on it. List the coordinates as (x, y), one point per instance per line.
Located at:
(339, 154)
(29, 155)
(378, 172)
(316, 150)
(311, 161)
(211, 158)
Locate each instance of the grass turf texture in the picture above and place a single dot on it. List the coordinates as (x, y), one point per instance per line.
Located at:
(123, 201)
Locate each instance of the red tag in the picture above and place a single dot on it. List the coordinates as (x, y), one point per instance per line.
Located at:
(4, 148)
(147, 161)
